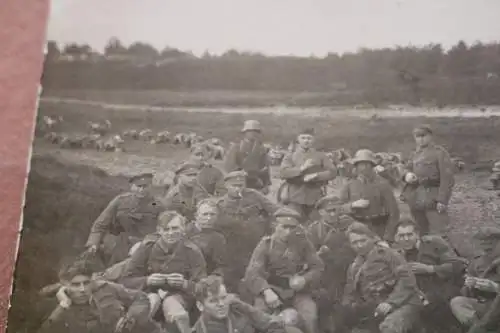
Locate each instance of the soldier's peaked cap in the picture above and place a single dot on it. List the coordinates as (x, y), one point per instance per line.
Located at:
(308, 131)
(238, 174)
(142, 176)
(251, 125)
(287, 212)
(328, 201)
(488, 233)
(187, 169)
(423, 129)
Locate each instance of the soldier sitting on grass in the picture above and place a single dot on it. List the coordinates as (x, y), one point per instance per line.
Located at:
(90, 304)
(168, 265)
(285, 269)
(381, 291)
(223, 312)
(438, 269)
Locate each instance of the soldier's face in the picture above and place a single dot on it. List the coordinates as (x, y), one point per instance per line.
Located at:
(305, 140)
(206, 216)
(78, 289)
(187, 179)
(422, 140)
(364, 168)
(235, 187)
(141, 187)
(361, 244)
(217, 305)
(284, 228)
(329, 214)
(174, 231)
(252, 135)
(406, 237)
(199, 155)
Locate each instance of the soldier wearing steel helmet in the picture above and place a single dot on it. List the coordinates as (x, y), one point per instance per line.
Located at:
(429, 182)
(250, 155)
(369, 198)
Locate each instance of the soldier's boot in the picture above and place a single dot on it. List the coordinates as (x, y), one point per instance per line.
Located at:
(183, 323)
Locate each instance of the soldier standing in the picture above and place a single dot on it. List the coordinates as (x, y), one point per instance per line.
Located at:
(94, 305)
(482, 283)
(305, 172)
(380, 288)
(203, 233)
(429, 182)
(438, 269)
(246, 216)
(168, 265)
(209, 177)
(369, 198)
(186, 193)
(250, 155)
(285, 269)
(223, 312)
(127, 219)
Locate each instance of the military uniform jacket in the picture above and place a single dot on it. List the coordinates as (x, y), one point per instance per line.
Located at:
(242, 318)
(154, 257)
(382, 276)
(251, 157)
(486, 267)
(184, 200)
(435, 171)
(298, 191)
(213, 245)
(109, 302)
(273, 262)
(252, 206)
(449, 268)
(212, 180)
(383, 203)
(127, 213)
(337, 258)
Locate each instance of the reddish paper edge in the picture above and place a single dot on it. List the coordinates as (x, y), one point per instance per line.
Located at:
(22, 39)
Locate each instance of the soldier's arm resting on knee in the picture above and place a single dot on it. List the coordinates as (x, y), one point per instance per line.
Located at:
(406, 283)
(197, 269)
(260, 320)
(103, 223)
(256, 270)
(136, 302)
(450, 264)
(135, 273)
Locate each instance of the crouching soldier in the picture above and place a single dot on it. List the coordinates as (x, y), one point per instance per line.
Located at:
(332, 245)
(209, 240)
(168, 265)
(94, 305)
(438, 269)
(223, 312)
(284, 269)
(125, 221)
(482, 281)
(380, 289)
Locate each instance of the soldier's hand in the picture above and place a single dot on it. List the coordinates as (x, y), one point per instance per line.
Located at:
(63, 298)
(383, 309)
(175, 280)
(361, 203)
(92, 249)
(124, 323)
(272, 300)
(470, 282)
(297, 282)
(265, 190)
(487, 285)
(155, 280)
(379, 169)
(411, 178)
(419, 268)
(441, 208)
(312, 176)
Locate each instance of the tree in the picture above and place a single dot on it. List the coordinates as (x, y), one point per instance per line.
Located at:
(115, 47)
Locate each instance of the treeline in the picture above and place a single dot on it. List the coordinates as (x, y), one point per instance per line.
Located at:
(464, 74)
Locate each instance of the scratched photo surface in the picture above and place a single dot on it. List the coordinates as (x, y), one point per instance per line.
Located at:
(264, 166)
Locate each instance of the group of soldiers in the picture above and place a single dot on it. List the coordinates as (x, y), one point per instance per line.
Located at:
(307, 262)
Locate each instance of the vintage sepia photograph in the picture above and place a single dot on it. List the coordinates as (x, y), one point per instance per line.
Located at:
(250, 166)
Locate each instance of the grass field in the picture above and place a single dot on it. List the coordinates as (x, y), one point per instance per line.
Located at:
(66, 191)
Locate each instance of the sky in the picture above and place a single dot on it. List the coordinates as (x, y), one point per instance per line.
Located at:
(274, 27)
